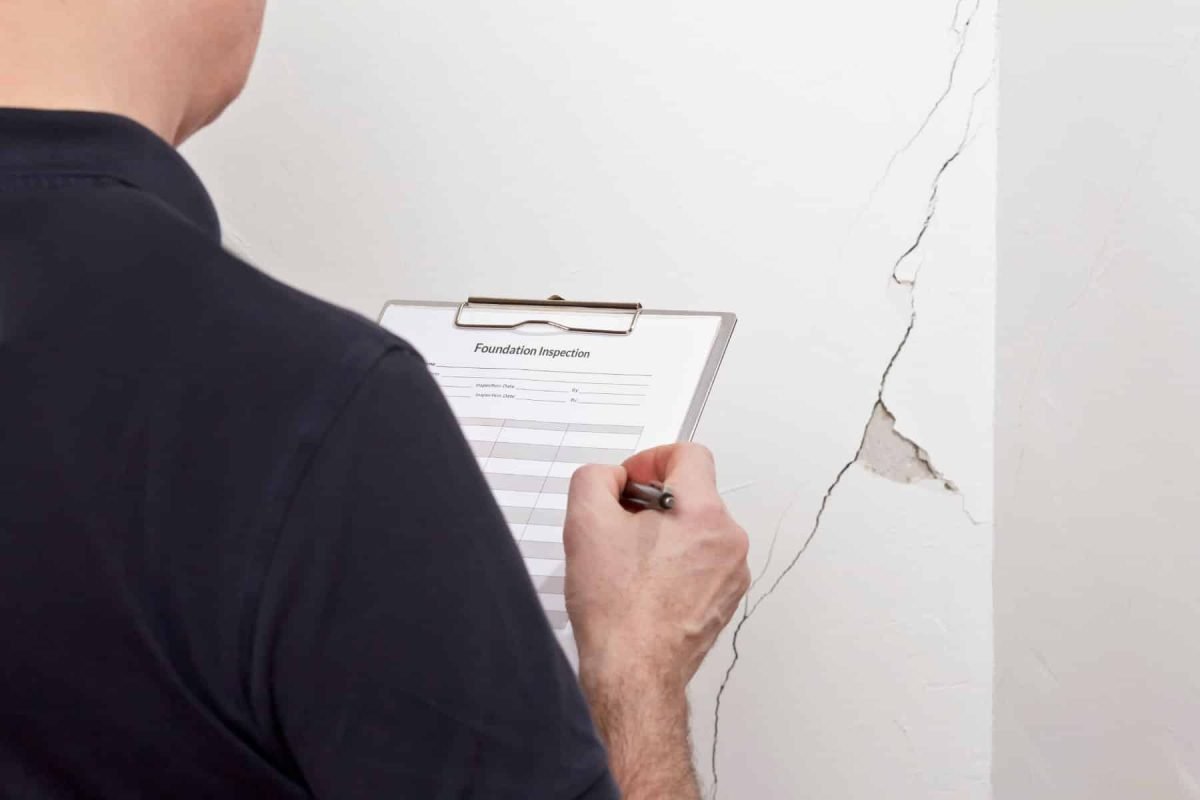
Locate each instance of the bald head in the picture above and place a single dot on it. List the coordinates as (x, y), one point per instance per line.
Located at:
(172, 65)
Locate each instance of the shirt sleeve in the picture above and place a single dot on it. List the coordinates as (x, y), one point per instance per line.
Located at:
(400, 642)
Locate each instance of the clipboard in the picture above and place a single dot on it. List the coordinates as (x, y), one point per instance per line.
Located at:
(625, 316)
(541, 387)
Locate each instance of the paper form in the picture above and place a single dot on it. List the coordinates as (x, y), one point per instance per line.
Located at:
(535, 404)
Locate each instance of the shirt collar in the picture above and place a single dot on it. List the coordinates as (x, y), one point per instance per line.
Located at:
(103, 145)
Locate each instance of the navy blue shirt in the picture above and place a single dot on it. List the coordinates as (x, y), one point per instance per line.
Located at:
(244, 548)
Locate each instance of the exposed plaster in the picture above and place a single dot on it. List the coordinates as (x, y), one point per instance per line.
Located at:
(892, 455)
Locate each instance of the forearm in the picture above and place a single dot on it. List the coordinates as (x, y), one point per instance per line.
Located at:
(644, 724)
(648, 594)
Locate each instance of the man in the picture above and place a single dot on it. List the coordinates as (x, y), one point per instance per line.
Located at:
(244, 550)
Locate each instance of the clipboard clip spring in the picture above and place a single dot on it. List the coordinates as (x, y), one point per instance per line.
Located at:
(556, 303)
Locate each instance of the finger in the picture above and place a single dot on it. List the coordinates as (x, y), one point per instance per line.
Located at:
(686, 468)
(596, 486)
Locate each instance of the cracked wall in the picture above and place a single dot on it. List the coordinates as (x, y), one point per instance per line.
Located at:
(825, 172)
(883, 449)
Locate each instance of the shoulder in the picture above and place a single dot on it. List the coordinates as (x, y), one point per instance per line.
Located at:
(189, 299)
(150, 301)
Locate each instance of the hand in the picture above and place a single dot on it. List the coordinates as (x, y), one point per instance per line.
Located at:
(648, 593)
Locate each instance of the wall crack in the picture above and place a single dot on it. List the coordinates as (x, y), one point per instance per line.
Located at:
(963, 35)
(881, 447)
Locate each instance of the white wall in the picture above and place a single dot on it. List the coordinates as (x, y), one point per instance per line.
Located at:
(1098, 540)
(824, 170)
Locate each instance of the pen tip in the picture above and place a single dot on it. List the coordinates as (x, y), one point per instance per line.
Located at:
(668, 501)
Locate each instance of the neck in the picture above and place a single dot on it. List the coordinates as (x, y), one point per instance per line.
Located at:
(83, 56)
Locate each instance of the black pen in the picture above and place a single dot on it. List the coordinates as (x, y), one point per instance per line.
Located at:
(648, 496)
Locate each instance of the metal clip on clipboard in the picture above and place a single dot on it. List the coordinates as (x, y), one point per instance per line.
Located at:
(424, 322)
(554, 303)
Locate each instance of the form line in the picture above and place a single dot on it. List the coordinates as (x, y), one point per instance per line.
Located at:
(515, 388)
(565, 380)
(592, 403)
(615, 394)
(556, 371)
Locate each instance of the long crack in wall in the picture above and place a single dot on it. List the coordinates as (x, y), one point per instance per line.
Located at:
(963, 33)
(882, 449)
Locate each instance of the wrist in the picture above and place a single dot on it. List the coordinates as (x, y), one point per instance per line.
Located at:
(618, 671)
(636, 685)
(633, 700)
(642, 716)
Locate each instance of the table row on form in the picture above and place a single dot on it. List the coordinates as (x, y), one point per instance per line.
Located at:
(528, 465)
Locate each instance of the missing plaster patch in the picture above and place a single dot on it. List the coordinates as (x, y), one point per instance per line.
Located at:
(889, 454)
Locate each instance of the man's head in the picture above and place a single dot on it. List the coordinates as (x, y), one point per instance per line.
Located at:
(173, 65)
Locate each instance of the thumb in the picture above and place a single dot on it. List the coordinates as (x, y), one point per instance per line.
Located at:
(592, 501)
(595, 487)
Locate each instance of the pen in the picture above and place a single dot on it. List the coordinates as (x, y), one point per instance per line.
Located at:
(648, 496)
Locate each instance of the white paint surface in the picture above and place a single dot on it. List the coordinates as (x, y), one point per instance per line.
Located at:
(769, 158)
(1098, 544)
